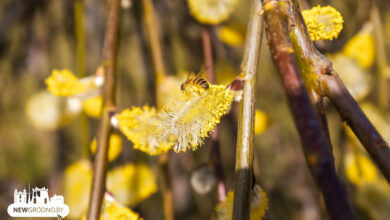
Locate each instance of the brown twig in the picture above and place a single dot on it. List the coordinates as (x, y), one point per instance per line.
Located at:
(318, 156)
(318, 69)
(215, 154)
(109, 59)
(167, 187)
(244, 153)
(351, 112)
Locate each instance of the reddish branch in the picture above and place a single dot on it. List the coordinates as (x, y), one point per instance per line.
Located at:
(215, 153)
(314, 64)
(318, 156)
(100, 164)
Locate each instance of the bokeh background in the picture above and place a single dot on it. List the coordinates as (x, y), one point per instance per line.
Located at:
(40, 140)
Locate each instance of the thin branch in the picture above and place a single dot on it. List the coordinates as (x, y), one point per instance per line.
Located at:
(81, 68)
(160, 73)
(167, 187)
(327, 83)
(381, 58)
(109, 59)
(215, 153)
(155, 45)
(351, 112)
(318, 156)
(244, 153)
(80, 36)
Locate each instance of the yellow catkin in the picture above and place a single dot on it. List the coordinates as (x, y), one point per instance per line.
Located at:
(93, 106)
(231, 35)
(211, 11)
(190, 118)
(362, 48)
(261, 122)
(259, 204)
(323, 23)
(359, 168)
(77, 184)
(112, 210)
(114, 149)
(64, 83)
(141, 126)
(132, 183)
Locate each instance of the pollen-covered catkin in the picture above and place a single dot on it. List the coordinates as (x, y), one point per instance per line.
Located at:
(64, 83)
(211, 11)
(141, 126)
(323, 23)
(190, 118)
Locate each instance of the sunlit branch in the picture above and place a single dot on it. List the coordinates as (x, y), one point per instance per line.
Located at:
(317, 153)
(243, 181)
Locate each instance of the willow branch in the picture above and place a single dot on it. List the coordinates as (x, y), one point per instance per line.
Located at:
(215, 153)
(328, 84)
(155, 45)
(104, 130)
(318, 156)
(244, 153)
(159, 68)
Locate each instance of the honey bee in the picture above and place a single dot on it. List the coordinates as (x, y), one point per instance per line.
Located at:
(194, 80)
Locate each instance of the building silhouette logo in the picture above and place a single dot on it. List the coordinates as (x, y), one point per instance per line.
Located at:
(37, 203)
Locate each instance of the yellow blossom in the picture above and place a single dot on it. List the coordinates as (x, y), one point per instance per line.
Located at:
(78, 178)
(141, 126)
(190, 118)
(323, 23)
(211, 11)
(64, 83)
(231, 35)
(261, 121)
(93, 106)
(47, 111)
(115, 211)
(130, 184)
(359, 168)
(114, 149)
(259, 204)
(362, 48)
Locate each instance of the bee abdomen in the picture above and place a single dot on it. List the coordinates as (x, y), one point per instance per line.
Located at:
(203, 83)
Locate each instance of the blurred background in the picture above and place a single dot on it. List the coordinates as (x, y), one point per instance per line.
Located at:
(45, 140)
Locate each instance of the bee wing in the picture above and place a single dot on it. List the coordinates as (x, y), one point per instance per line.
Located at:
(191, 75)
(202, 71)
